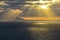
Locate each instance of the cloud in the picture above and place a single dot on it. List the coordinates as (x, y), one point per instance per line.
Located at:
(3, 3)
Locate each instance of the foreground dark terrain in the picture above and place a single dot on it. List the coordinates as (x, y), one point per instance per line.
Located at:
(24, 31)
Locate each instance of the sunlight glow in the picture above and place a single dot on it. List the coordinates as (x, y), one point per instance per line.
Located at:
(47, 1)
(44, 6)
(41, 1)
(40, 23)
(55, 0)
(34, 29)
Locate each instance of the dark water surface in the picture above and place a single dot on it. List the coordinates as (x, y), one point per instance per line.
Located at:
(25, 31)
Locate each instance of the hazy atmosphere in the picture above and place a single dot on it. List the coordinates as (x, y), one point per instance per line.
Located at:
(29, 19)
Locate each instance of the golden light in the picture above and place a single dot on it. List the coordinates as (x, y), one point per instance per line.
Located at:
(40, 23)
(34, 2)
(48, 2)
(44, 6)
(34, 29)
(41, 1)
(54, 1)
